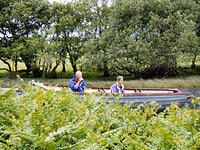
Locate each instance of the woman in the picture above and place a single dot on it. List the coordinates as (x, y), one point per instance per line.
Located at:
(118, 87)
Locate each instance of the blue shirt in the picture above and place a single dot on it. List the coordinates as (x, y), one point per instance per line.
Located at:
(80, 88)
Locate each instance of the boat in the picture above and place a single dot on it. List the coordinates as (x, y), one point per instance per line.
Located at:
(134, 96)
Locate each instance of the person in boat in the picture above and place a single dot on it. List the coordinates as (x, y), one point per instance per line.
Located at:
(77, 84)
(118, 87)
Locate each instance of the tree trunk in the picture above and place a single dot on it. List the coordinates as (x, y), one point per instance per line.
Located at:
(63, 68)
(37, 73)
(27, 63)
(55, 67)
(28, 68)
(16, 65)
(105, 69)
(5, 62)
(193, 61)
(73, 63)
(52, 74)
(74, 67)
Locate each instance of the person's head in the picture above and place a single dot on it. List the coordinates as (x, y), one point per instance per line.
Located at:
(120, 79)
(78, 75)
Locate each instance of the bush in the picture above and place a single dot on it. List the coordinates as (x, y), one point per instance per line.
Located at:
(40, 119)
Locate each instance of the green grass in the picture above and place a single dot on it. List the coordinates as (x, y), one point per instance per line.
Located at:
(183, 63)
(21, 66)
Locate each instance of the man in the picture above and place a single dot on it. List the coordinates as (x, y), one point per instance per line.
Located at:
(118, 87)
(77, 84)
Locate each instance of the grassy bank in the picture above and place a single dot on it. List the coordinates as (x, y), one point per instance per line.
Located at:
(183, 70)
(187, 78)
(186, 82)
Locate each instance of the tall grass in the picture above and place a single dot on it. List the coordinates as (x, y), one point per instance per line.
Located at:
(187, 82)
(48, 120)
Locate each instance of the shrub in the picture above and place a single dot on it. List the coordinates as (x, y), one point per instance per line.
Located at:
(40, 119)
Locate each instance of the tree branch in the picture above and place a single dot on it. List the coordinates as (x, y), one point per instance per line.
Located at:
(5, 62)
(4, 69)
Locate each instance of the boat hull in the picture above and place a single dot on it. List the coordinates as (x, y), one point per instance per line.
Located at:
(163, 100)
(135, 100)
(133, 96)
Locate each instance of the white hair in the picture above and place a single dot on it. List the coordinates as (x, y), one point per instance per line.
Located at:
(119, 78)
(78, 72)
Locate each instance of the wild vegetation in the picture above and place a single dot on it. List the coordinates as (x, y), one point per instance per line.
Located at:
(135, 38)
(40, 119)
(186, 82)
(138, 38)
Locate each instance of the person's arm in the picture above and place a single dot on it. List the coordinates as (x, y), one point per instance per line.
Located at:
(84, 85)
(113, 89)
(123, 89)
(72, 86)
(77, 84)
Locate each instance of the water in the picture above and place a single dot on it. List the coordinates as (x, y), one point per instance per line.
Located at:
(193, 91)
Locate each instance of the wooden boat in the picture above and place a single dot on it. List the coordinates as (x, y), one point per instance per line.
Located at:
(19, 91)
(164, 97)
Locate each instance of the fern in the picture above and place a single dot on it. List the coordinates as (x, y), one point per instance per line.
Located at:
(45, 119)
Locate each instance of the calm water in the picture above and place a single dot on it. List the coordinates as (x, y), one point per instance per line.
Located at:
(195, 92)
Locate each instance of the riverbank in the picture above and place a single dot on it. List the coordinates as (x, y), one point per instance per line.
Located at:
(184, 82)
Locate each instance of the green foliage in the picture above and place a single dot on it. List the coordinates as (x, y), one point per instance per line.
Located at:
(68, 31)
(143, 38)
(136, 37)
(18, 21)
(40, 119)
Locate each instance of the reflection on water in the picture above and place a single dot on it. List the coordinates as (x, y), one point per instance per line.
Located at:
(195, 92)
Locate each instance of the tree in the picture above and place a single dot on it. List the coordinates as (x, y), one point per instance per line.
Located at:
(97, 49)
(148, 35)
(18, 20)
(46, 54)
(67, 22)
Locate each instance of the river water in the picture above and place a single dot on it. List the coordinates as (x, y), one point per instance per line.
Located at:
(194, 91)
